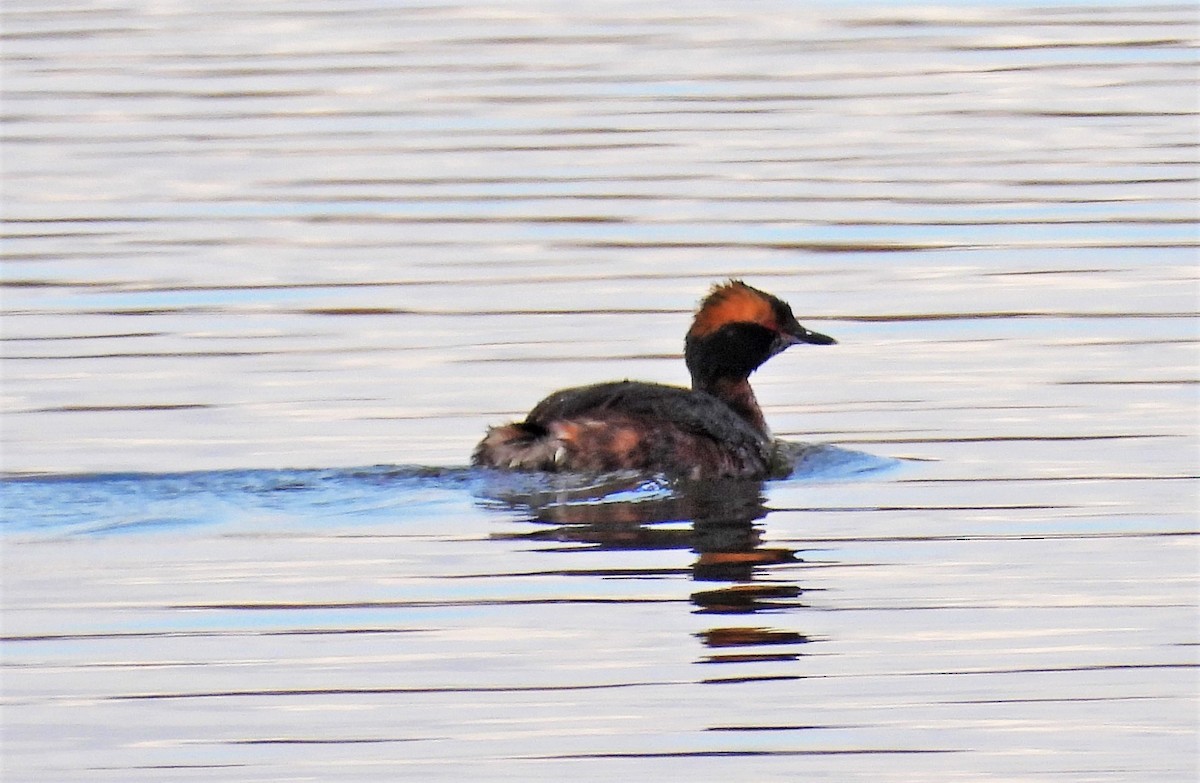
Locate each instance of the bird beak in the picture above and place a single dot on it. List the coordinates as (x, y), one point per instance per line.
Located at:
(802, 335)
(798, 335)
(813, 338)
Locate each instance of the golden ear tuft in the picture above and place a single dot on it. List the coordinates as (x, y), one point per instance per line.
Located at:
(733, 302)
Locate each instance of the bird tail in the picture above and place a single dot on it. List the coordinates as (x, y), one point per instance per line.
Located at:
(519, 446)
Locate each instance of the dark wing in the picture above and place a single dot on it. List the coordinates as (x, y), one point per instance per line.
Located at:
(692, 411)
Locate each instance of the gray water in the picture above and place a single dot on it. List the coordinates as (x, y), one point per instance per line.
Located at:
(270, 272)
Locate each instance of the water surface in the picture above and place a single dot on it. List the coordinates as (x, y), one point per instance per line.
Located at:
(269, 274)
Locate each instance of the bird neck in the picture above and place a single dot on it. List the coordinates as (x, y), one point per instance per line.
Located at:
(737, 394)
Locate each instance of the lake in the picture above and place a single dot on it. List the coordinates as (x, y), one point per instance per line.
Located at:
(269, 273)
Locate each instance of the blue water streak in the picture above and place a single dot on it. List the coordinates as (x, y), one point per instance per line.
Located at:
(129, 503)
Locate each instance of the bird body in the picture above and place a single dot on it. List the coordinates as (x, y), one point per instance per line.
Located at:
(714, 429)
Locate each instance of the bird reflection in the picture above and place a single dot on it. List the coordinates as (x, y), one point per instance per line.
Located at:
(716, 519)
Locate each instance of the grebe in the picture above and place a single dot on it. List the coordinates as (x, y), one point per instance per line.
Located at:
(714, 429)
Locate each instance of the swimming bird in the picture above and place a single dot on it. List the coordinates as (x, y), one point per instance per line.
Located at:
(714, 429)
